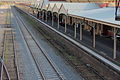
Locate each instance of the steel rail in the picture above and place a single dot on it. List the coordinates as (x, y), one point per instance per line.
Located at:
(15, 57)
(44, 53)
(3, 67)
(40, 70)
(60, 76)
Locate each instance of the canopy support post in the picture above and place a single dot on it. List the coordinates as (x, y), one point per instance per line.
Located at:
(94, 40)
(114, 51)
(65, 24)
(46, 16)
(43, 15)
(81, 35)
(75, 30)
(58, 20)
(52, 19)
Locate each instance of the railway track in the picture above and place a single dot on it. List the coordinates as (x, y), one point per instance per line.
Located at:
(8, 63)
(2, 65)
(46, 67)
(85, 70)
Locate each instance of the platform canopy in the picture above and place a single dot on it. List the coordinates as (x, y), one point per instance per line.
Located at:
(39, 4)
(50, 6)
(102, 15)
(44, 7)
(56, 7)
(71, 7)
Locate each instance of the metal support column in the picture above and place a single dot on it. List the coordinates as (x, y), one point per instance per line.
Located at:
(58, 20)
(81, 32)
(40, 14)
(100, 29)
(46, 16)
(43, 15)
(114, 51)
(94, 41)
(72, 20)
(65, 24)
(52, 19)
(33, 10)
(75, 26)
(69, 20)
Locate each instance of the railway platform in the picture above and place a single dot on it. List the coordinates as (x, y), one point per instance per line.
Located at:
(71, 38)
(31, 50)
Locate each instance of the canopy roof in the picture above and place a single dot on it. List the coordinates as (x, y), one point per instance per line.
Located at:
(44, 7)
(104, 15)
(90, 11)
(50, 6)
(56, 7)
(71, 7)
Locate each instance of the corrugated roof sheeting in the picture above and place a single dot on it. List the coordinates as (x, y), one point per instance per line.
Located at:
(66, 7)
(102, 14)
(50, 6)
(56, 7)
